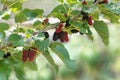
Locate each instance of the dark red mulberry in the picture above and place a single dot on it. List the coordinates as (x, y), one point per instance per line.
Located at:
(58, 30)
(60, 25)
(64, 36)
(25, 55)
(6, 55)
(55, 36)
(104, 2)
(90, 20)
(46, 35)
(67, 23)
(32, 54)
(74, 31)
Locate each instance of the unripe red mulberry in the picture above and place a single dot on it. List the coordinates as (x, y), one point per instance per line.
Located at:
(58, 30)
(90, 20)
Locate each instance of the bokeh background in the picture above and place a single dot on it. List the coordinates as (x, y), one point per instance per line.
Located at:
(94, 60)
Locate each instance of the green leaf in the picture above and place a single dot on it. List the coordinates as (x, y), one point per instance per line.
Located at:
(31, 65)
(6, 17)
(108, 14)
(21, 17)
(47, 55)
(60, 16)
(41, 35)
(17, 6)
(60, 9)
(34, 13)
(113, 8)
(36, 23)
(2, 34)
(1, 54)
(81, 26)
(16, 40)
(63, 54)
(5, 70)
(4, 26)
(74, 12)
(20, 73)
(42, 45)
(75, 23)
(102, 30)
(72, 1)
(26, 14)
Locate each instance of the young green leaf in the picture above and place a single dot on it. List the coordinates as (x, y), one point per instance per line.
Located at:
(63, 54)
(102, 30)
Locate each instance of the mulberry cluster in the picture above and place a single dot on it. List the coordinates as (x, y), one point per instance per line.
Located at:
(29, 54)
(60, 34)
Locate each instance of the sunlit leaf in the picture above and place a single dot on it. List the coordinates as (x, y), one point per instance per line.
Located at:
(60, 9)
(47, 55)
(102, 30)
(63, 54)
(26, 14)
(108, 14)
(31, 65)
(20, 73)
